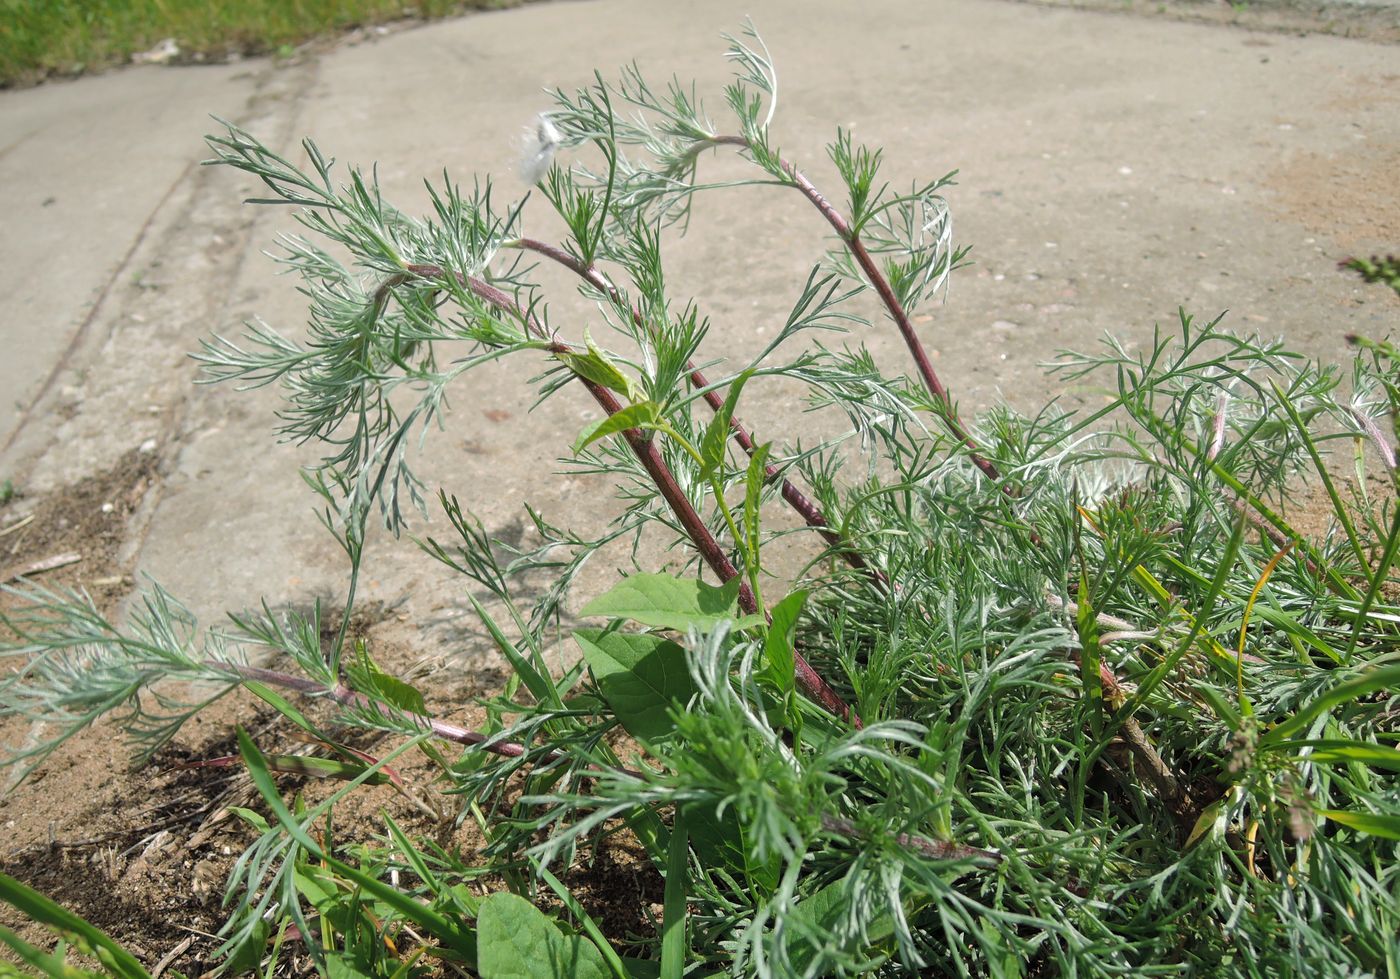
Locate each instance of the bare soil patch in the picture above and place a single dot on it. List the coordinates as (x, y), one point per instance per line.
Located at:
(145, 854)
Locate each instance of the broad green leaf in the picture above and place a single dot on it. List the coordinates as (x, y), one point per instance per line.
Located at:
(717, 434)
(667, 602)
(816, 920)
(598, 367)
(1367, 683)
(756, 477)
(640, 676)
(515, 940)
(640, 415)
(1374, 824)
(390, 689)
(719, 842)
(778, 645)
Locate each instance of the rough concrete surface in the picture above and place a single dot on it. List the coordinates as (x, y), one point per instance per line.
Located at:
(1112, 169)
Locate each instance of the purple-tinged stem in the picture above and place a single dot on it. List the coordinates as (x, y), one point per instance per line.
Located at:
(1374, 433)
(852, 240)
(342, 694)
(649, 455)
(795, 498)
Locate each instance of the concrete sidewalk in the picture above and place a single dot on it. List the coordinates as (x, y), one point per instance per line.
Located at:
(1112, 169)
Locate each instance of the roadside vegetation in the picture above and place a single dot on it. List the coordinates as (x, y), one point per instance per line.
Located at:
(39, 38)
(1057, 694)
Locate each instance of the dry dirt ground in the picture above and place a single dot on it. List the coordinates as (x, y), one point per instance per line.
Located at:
(1113, 168)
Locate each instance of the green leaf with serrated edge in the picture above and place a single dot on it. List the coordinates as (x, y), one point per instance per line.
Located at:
(1090, 656)
(1370, 823)
(1342, 752)
(643, 414)
(453, 936)
(668, 602)
(515, 940)
(716, 436)
(778, 648)
(640, 676)
(756, 477)
(598, 367)
(1367, 683)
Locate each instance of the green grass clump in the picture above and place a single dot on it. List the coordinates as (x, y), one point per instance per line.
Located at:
(43, 37)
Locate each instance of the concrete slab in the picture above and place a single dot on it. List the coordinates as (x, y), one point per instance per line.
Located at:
(85, 170)
(1112, 169)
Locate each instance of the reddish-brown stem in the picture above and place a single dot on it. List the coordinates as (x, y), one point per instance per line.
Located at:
(342, 694)
(795, 498)
(852, 241)
(647, 453)
(1168, 787)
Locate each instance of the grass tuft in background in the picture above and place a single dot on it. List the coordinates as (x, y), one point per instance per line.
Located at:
(40, 38)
